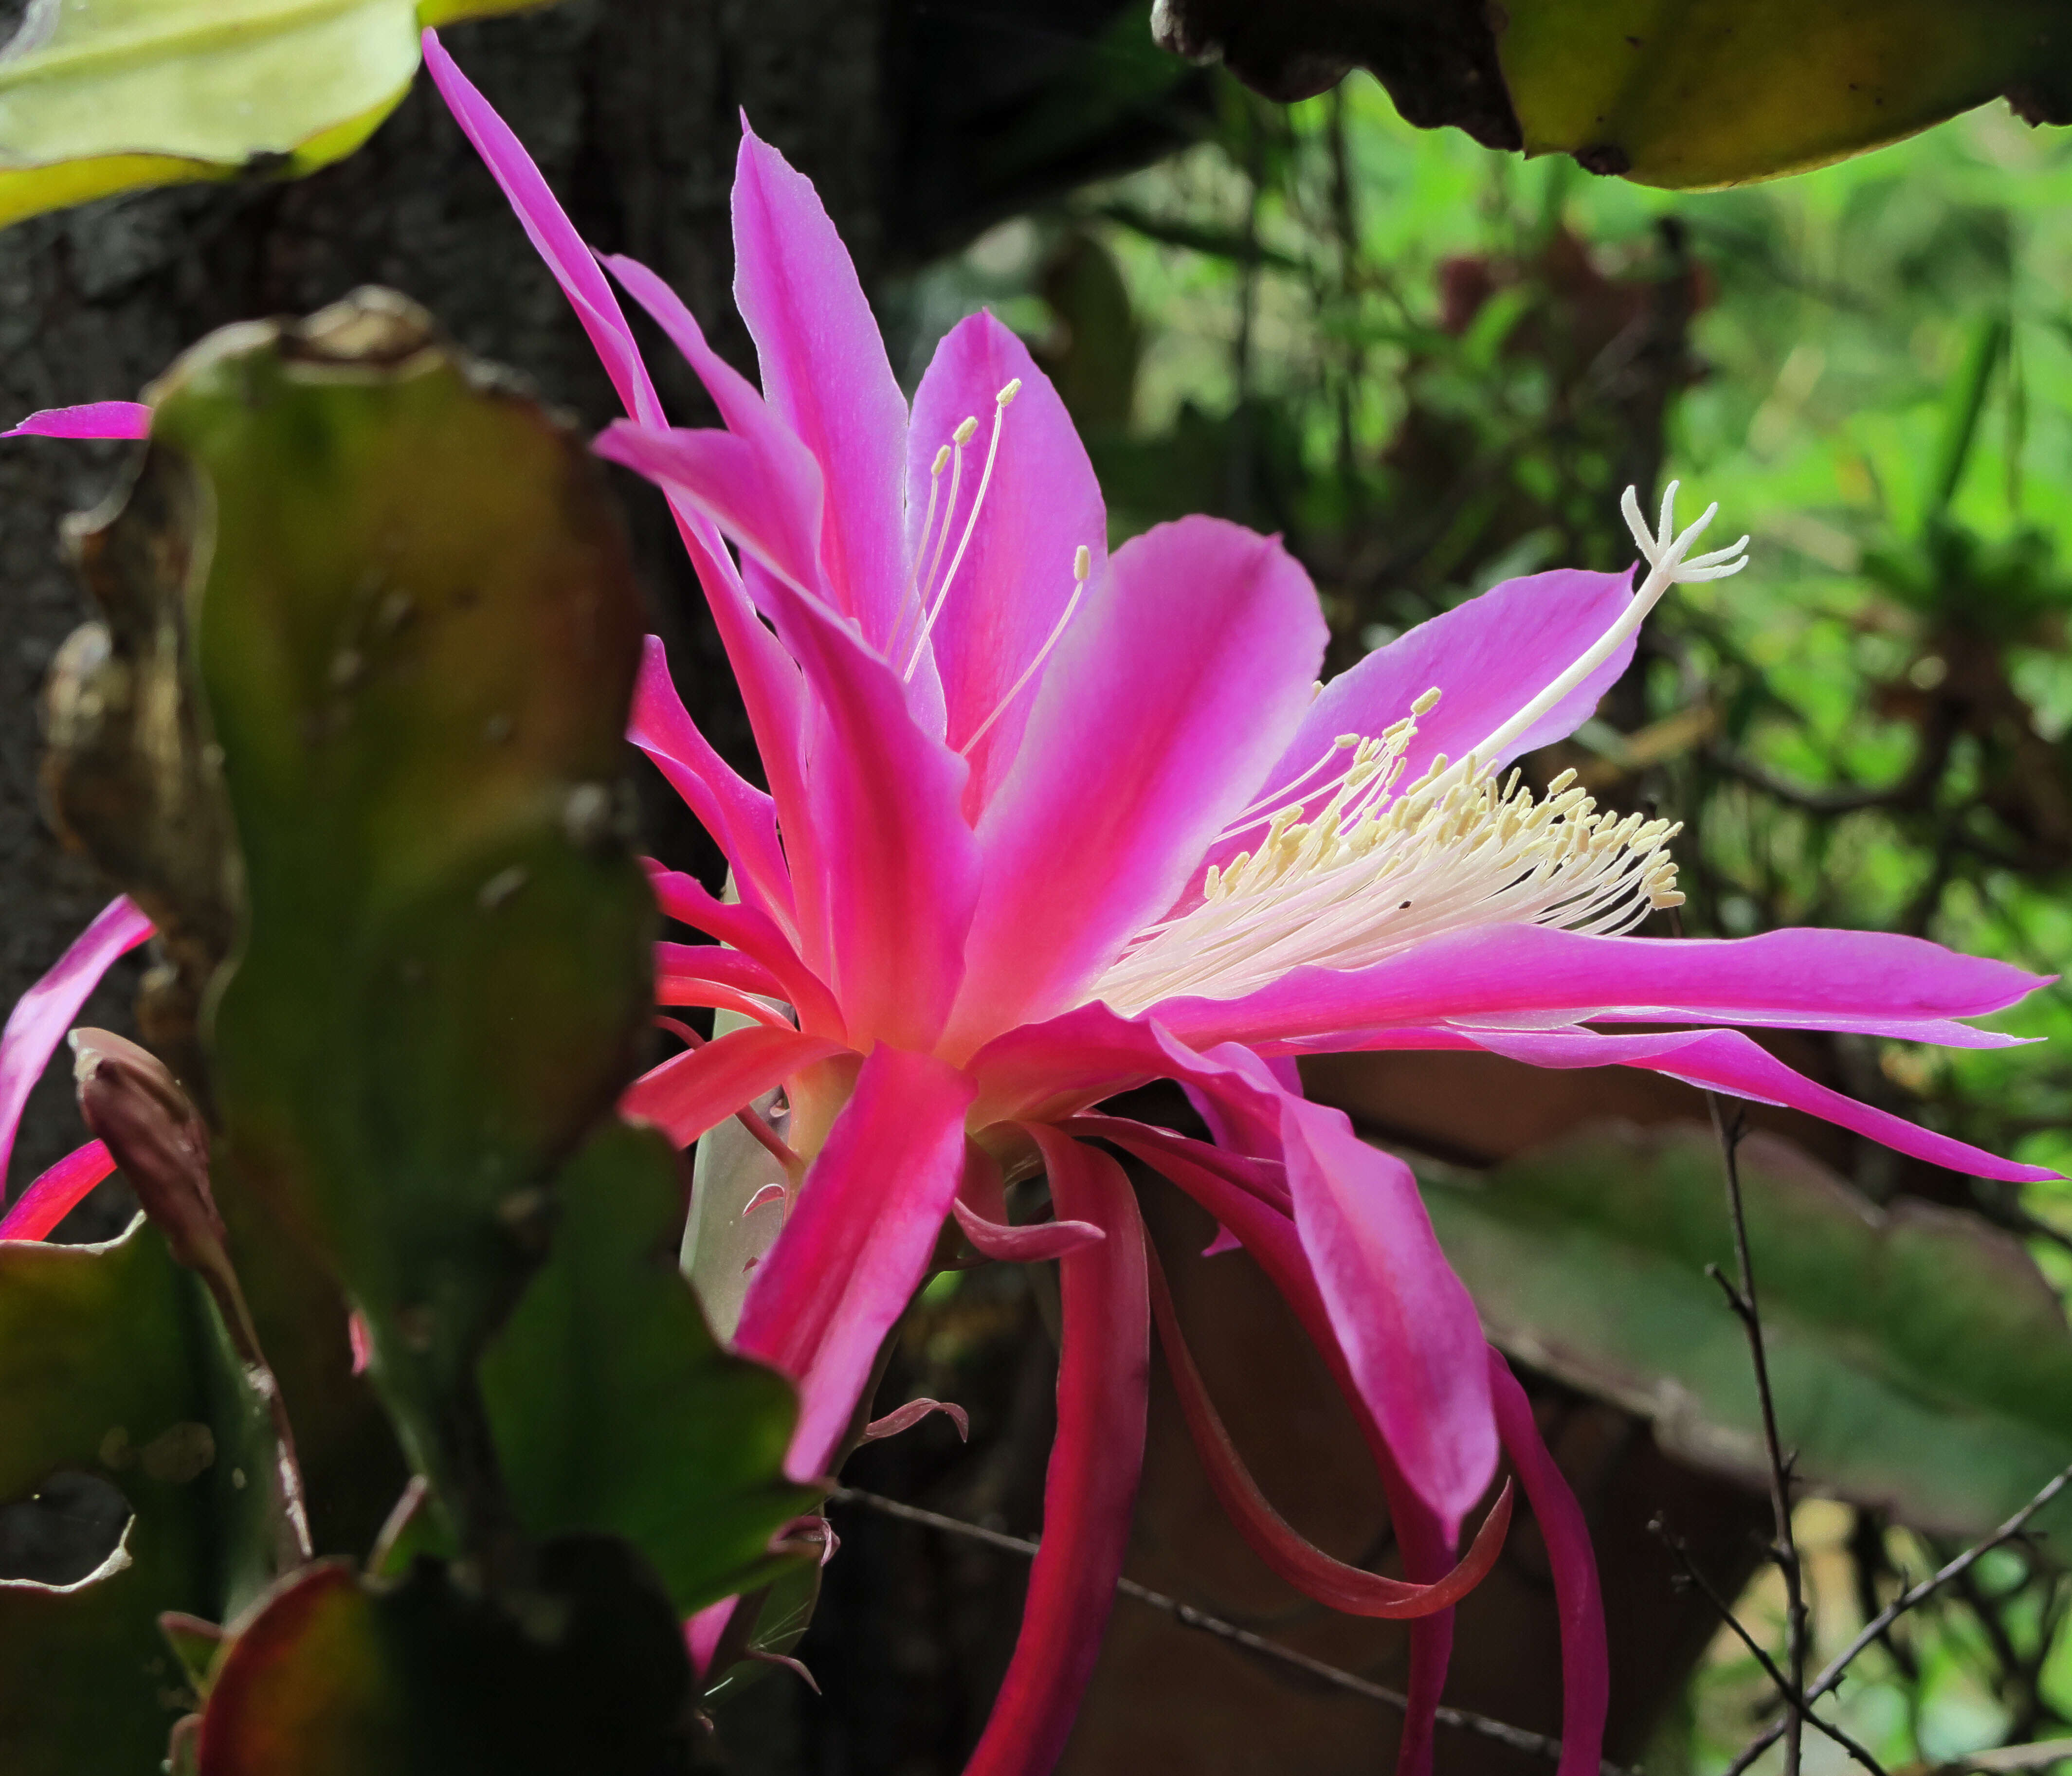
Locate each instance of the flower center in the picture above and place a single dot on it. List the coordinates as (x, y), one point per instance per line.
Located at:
(1376, 868)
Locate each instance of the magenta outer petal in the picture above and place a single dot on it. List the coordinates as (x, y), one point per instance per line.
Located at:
(1406, 1322)
(1716, 1060)
(1585, 1659)
(1104, 1375)
(826, 371)
(1868, 981)
(713, 962)
(54, 1193)
(1269, 1235)
(110, 419)
(856, 1245)
(553, 236)
(741, 819)
(690, 1093)
(686, 899)
(1016, 578)
(1184, 672)
(1024, 1245)
(1488, 657)
(42, 1015)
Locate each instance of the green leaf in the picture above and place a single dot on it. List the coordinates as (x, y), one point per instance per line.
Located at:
(113, 1365)
(1920, 1362)
(415, 630)
(1691, 93)
(103, 96)
(341, 1676)
(613, 1406)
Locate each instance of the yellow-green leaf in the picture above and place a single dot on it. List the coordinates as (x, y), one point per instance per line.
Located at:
(103, 96)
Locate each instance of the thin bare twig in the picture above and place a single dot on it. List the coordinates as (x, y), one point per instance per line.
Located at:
(1462, 1720)
(1831, 1674)
(1740, 1297)
(1679, 1550)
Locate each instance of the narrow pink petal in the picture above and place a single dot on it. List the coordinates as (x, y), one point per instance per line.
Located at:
(1725, 1060)
(763, 490)
(1586, 1657)
(1186, 671)
(1015, 580)
(856, 1245)
(54, 1193)
(1268, 1233)
(905, 1418)
(746, 413)
(1873, 982)
(1024, 1245)
(1407, 1323)
(1488, 658)
(686, 898)
(714, 962)
(768, 680)
(824, 370)
(702, 1633)
(109, 419)
(741, 819)
(690, 1093)
(1103, 1365)
(42, 1015)
(1350, 1590)
(552, 234)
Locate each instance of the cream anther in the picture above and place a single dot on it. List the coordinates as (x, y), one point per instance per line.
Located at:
(1083, 562)
(941, 461)
(1009, 392)
(967, 428)
(1426, 703)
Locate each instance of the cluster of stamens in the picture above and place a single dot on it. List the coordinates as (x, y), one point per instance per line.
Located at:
(1353, 865)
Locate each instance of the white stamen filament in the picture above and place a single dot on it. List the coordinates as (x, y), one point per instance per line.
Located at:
(1082, 561)
(963, 435)
(927, 528)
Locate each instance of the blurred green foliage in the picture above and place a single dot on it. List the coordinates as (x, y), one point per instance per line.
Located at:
(1432, 367)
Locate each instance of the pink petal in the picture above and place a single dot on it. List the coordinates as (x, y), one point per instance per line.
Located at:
(747, 414)
(553, 236)
(686, 898)
(824, 370)
(741, 819)
(1269, 1233)
(42, 1015)
(1015, 579)
(1717, 1060)
(1024, 1245)
(702, 1633)
(1350, 1589)
(1186, 670)
(1586, 1659)
(54, 1193)
(1103, 1368)
(1870, 981)
(110, 419)
(857, 1243)
(1488, 657)
(690, 1093)
(905, 1418)
(1406, 1322)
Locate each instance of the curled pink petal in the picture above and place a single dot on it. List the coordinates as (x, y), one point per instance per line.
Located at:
(1103, 1366)
(361, 1342)
(1350, 1589)
(56, 1193)
(856, 1244)
(910, 1415)
(689, 1092)
(1586, 1659)
(688, 900)
(107, 419)
(1025, 1245)
(42, 1015)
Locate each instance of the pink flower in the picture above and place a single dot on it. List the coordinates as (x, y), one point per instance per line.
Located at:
(1044, 825)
